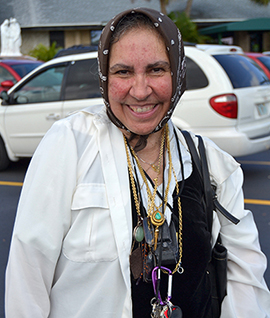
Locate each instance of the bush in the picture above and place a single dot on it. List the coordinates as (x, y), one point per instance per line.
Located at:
(187, 28)
(43, 53)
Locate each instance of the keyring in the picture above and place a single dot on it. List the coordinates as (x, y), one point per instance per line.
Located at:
(156, 276)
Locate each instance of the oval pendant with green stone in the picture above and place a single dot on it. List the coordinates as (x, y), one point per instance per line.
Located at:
(138, 233)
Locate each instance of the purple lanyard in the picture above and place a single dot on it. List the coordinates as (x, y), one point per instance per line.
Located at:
(156, 275)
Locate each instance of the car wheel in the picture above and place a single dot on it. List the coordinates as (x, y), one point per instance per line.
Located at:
(4, 160)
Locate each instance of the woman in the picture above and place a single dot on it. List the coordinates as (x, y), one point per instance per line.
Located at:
(107, 186)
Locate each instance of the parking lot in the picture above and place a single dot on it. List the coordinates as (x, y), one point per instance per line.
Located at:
(256, 189)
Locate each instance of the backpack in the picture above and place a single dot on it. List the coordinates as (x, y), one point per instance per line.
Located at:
(217, 266)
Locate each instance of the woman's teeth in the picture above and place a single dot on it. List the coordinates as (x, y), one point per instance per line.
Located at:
(142, 109)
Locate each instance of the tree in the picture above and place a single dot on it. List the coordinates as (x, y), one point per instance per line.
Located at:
(188, 8)
(188, 28)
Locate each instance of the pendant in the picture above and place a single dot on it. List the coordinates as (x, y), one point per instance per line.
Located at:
(155, 168)
(138, 233)
(136, 263)
(157, 218)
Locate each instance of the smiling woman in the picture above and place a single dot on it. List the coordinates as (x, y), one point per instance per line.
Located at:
(129, 216)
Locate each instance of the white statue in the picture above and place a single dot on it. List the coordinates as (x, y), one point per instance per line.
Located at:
(10, 38)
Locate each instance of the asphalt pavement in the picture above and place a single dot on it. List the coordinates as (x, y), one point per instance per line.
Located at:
(256, 187)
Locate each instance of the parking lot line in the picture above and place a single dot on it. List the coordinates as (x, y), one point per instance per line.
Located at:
(266, 163)
(9, 183)
(257, 202)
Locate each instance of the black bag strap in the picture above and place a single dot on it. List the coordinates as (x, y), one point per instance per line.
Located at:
(209, 190)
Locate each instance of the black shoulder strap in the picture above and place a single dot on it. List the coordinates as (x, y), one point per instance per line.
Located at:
(209, 192)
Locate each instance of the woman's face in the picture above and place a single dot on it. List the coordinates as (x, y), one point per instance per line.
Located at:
(139, 81)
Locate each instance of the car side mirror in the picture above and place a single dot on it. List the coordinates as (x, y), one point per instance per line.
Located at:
(4, 95)
(7, 84)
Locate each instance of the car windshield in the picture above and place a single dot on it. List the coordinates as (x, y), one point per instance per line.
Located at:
(265, 60)
(242, 71)
(25, 68)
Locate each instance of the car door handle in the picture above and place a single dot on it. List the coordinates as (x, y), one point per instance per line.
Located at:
(53, 116)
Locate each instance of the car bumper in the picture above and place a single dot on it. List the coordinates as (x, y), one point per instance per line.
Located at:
(234, 142)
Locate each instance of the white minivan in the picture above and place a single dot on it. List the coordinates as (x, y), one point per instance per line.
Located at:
(227, 100)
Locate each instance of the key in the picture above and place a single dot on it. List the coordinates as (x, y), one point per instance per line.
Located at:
(164, 310)
(173, 312)
(156, 310)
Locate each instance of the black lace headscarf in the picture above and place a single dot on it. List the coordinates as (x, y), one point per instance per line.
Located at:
(173, 41)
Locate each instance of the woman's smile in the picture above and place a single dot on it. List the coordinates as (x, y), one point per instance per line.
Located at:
(142, 109)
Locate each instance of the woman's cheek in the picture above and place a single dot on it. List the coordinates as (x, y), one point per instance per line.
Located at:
(117, 90)
(164, 90)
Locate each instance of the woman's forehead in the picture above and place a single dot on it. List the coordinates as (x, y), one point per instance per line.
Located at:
(139, 44)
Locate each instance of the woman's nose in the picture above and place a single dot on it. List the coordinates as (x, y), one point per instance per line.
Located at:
(140, 88)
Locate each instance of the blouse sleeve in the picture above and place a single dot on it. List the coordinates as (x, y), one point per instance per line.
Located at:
(42, 220)
(247, 292)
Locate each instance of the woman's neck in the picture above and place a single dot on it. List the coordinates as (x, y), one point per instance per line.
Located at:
(151, 157)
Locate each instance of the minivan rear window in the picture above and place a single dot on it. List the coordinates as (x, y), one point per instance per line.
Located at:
(242, 71)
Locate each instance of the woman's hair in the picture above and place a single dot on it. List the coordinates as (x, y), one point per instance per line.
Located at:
(132, 21)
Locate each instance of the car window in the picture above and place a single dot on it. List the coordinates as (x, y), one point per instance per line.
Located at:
(82, 80)
(265, 60)
(23, 69)
(45, 87)
(242, 71)
(5, 75)
(195, 76)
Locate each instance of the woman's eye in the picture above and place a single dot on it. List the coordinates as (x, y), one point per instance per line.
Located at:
(157, 70)
(122, 72)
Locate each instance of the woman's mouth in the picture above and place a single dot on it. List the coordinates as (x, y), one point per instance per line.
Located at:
(144, 109)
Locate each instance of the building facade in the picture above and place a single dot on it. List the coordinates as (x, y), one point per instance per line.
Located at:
(80, 22)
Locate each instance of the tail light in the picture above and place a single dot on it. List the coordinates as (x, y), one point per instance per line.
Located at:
(225, 105)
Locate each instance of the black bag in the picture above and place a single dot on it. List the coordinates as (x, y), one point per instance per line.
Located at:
(217, 266)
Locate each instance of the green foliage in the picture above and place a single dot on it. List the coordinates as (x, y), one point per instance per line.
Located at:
(261, 2)
(187, 28)
(44, 53)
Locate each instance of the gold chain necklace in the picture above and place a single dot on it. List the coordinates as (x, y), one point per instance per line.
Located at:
(178, 267)
(156, 168)
(156, 217)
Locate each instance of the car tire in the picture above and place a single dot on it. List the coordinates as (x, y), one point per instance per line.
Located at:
(4, 160)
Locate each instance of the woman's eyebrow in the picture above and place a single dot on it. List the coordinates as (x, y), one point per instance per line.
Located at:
(120, 66)
(159, 64)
